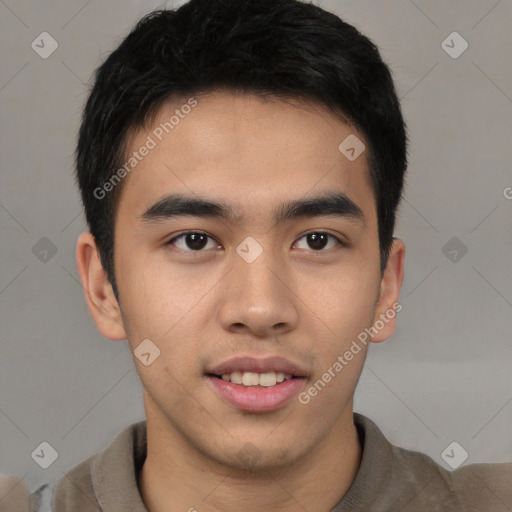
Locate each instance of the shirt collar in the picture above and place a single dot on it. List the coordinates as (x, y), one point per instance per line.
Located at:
(114, 471)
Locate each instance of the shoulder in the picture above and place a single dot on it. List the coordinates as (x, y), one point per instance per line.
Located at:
(75, 488)
(410, 481)
(475, 487)
(486, 484)
(15, 495)
(104, 478)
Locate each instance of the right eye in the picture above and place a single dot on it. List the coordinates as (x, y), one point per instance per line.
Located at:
(191, 241)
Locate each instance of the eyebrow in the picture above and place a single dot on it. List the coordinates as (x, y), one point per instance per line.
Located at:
(329, 204)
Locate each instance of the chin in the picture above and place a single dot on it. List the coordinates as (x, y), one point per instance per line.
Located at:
(256, 457)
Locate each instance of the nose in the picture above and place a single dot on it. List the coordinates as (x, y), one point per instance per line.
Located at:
(259, 297)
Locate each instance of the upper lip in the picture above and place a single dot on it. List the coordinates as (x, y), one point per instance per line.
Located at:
(258, 365)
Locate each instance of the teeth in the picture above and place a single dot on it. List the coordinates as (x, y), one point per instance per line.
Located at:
(267, 379)
(236, 377)
(250, 379)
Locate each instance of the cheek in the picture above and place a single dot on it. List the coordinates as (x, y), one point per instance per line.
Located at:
(343, 298)
(165, 308)
(352, 307)
(343, 308)
(340, 350)
(153, 297)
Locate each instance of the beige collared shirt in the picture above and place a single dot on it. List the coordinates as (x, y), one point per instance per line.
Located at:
(389, 479)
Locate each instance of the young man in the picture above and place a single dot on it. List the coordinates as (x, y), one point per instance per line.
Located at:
(241, 163)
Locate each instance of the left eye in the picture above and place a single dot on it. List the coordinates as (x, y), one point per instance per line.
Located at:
(196, 241)
(318, 239)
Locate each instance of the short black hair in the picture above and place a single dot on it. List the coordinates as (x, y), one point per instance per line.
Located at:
(285, 48)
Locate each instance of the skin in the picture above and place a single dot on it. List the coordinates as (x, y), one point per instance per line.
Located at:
(201, 308)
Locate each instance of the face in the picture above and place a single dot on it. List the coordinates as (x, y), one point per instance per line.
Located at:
(262, 283)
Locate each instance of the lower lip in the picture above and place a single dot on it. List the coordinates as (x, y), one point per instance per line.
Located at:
(253, 399)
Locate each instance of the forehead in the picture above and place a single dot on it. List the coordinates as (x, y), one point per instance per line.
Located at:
(244, 150)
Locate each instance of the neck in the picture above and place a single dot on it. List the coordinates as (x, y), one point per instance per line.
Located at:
(175, 477)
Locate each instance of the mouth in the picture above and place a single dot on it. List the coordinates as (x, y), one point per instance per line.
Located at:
(255, 379)
(253, 385)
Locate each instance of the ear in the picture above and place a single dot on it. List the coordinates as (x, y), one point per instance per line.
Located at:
(384, 321)
(99, 294)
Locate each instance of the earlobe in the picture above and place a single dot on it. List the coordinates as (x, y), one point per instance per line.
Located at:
(384, 321)
(99, 295)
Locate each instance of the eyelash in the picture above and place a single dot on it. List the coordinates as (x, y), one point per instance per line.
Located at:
(185, 233)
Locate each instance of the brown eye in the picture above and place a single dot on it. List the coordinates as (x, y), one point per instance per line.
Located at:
(318, 240)
(191, 241)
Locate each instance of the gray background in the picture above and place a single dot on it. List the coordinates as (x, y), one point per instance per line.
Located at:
(444, 376)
